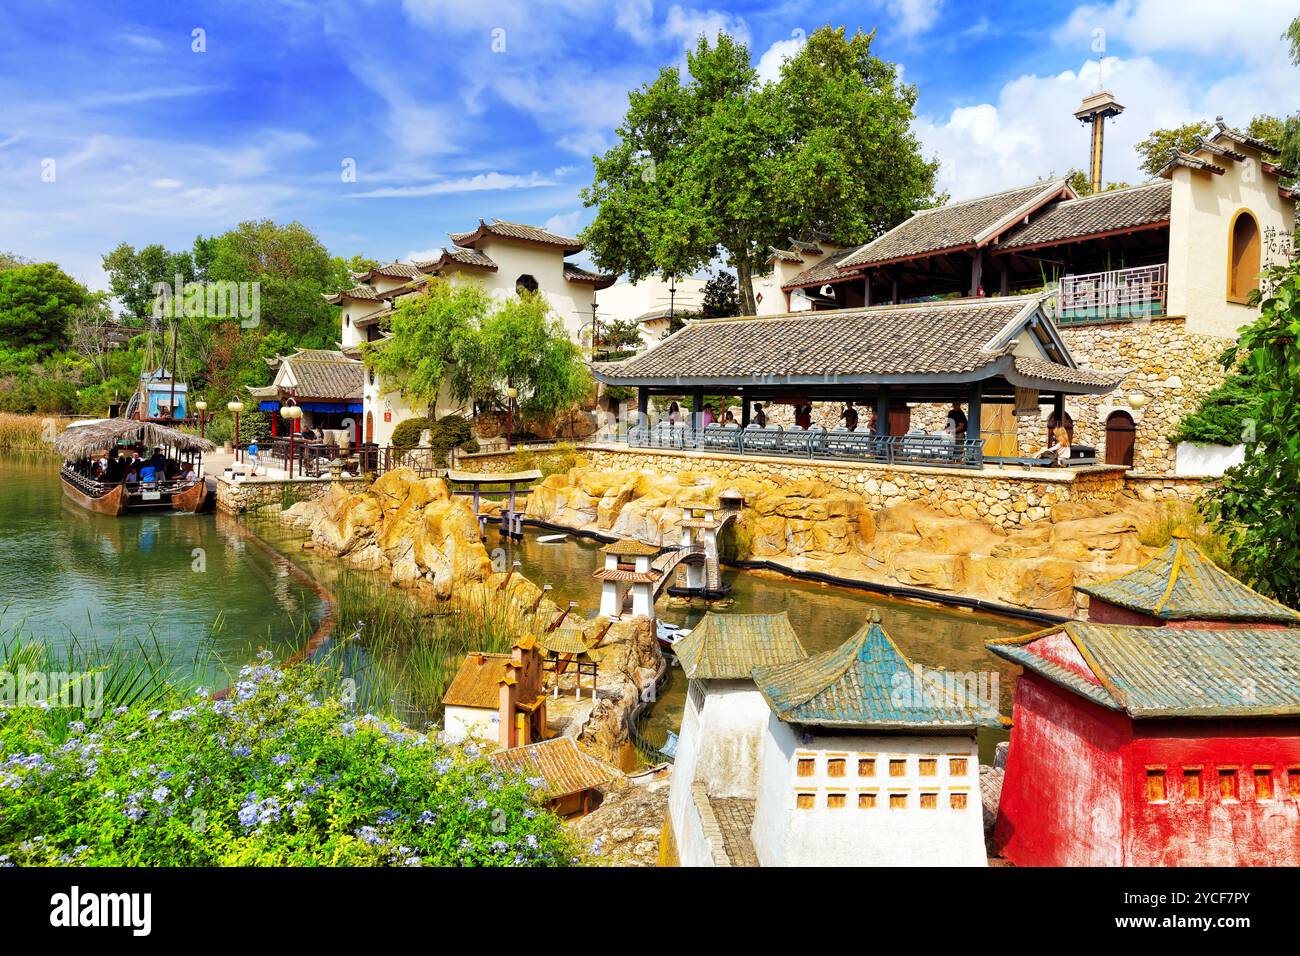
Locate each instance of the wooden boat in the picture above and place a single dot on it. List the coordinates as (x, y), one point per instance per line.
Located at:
(669, 634)
(82, 442)
(551, 538)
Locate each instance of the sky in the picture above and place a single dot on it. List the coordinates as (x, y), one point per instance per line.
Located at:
(385, 124)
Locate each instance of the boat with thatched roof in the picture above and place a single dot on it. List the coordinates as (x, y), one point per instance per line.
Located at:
(115, 465)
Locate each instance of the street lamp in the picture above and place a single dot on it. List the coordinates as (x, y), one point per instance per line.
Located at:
(291, 413)
(235, 408)
(511, 394)
(202, 406)
(1137, 398)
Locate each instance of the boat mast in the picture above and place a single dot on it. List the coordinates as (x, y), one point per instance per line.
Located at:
(173, 395)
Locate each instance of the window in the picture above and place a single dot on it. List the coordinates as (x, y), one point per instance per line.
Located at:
(1293, 782)
(957, 766)
(347, 320)
(525, 283)
(898, 768)
(1192, 783)
(1156, 785)
(807, 766)
(867, 767)
(1263, 783)
(929, 801)
(805, 801)
(835, 801)
(1243, 257)
(957, 801)
(867, 800)
(835, 767)
(1227, 783)
(928, 766)
(898, 801)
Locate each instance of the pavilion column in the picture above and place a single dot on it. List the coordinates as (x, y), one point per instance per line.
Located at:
(744, 409)
(1004, 278)
(894, 292)
(697, 409)
(976, 402)
(976, 271)
(1058, 408)
(866, 288)
(882, 411)
(642, 406)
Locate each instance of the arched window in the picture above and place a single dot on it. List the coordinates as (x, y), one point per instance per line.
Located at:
(525, 283)
(1243, 257)
(1120, 435)
(347, 320)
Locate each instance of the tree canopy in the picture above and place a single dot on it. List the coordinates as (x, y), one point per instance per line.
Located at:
(1161, 144)
(36, 303)
(723, 166)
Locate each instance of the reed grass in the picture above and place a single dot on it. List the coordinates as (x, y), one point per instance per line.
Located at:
(29, 434)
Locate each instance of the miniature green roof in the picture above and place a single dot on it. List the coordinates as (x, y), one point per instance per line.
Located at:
(730, 646)
(1183, 584)
(630, 547)
(564, 640)
(866, 683)
(1150, 672)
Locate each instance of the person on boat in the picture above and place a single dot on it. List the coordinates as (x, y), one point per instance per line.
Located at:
(132, 476)
(114, 469)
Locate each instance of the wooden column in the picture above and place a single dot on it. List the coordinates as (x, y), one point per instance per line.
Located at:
(976, 401)
(866, 289)
(697, 408)
(976, 271)
(744, 409)
(1004, 280)
(882, 411)
(894, 293)
(1058, 408)
(642, 406)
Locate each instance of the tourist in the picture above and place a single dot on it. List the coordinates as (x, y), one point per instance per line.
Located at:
(958, 419)
(706, 416)
(850, 417)
(132, 476)
(760, 416)
(1059, 450)
(674, 413)
(803, 415)
(729, 418)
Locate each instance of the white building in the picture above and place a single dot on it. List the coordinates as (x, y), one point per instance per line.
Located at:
(651, 303)
(503, 257)
(809, 261)
(865, 764)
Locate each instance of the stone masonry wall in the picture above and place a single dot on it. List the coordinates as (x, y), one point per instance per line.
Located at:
(237, 497)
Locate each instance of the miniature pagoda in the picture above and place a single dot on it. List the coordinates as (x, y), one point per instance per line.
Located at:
(864, 765)
(1168, 745)
(627, 567)
(723, 722)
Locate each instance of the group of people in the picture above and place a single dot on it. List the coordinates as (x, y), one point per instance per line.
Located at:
(129, 466)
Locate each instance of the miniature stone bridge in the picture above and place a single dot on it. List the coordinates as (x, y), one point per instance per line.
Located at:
(699, 552)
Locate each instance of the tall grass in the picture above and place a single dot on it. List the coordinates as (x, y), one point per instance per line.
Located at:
(1187, 517)
(28, 434)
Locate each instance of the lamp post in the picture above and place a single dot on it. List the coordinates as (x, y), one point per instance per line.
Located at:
(290, 412)
(511, 394)
(202, 407)
(235, 408)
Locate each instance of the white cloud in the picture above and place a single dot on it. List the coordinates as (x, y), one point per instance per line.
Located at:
(1207, 27)
(911, 18)
(687, 26)
(165, 183)
(565, 223)
(769, 64)
(478, 183)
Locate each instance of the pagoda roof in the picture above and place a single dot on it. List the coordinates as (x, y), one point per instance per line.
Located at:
(631, 547)
(856, 686)
(1182, 584)
(730, 646)
(1161, 672)
(518, 231)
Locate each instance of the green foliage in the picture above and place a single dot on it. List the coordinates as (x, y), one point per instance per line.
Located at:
(720, 300)
(407, 433)
(1183, 516)
(132, 275)
(560, 459)
(723, 166)
(450, 431)
(1161, 144)
(529, 350)
(1261, 497)
(1224, 414)
(278, 775)
(36, 304)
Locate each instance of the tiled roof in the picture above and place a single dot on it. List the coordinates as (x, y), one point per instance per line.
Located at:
(1151, 672)
(957, 225)
(463, 257)
(1089, 215)
(394, 270)
(630, 547)
(322, 373)
(478, 682)
(578, 274)
(786, 255)
(866, 683)
(730, 646)
(363, 292)
(1191, 162)
(1182, 584)
(1051, 373)
(564, 640)
(819, 273)
(515, 230)
(625, 577)
(1223, 131)
(559, 763)
(927, 338)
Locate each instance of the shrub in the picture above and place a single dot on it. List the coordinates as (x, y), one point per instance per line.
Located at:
(407, 433)
(1222, 416)
(279, 774)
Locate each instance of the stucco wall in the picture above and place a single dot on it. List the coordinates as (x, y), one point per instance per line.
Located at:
(466, 723)
(785, 835)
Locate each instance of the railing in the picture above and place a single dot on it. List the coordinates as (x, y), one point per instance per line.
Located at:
(1121, 295)
(312, 459)
(96, 488)
(815, 442)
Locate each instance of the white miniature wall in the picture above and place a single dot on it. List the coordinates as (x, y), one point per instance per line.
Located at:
(471, 723)
(1196, 460)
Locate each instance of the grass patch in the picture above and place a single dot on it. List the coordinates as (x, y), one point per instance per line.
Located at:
(1186, 516)
(29, 434)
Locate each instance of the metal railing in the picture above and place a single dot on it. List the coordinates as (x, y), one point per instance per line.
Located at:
(815, 442)
(312, 459)
(1120, 295)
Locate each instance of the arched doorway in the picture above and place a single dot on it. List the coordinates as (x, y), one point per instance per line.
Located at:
(1243, 257)
(370, 427)
(1120, 435)
(1052, 423)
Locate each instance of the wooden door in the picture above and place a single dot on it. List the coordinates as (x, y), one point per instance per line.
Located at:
(1120, 435)
(370, 427)
(998, 427)
(900, 419)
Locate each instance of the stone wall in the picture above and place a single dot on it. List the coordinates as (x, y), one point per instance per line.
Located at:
(252, 494)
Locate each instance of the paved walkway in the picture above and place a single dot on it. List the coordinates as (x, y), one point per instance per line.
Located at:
(736, 820)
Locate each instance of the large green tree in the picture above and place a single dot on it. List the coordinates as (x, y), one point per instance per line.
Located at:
(1258, 500)
(719, 165)
(529, 350)
(132, 275)
(36, 304)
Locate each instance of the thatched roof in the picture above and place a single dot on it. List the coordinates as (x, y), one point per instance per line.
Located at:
(81, 438)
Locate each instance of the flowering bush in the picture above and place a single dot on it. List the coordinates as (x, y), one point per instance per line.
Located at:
(276, 774)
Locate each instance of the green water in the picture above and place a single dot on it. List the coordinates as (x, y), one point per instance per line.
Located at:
(823, 616)
(190, 585)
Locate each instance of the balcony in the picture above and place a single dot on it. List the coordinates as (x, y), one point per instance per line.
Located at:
(1121, 295)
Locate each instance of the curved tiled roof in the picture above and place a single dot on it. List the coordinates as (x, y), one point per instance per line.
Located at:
(866, 683)
(578, 274)
(515, 230)
(730, 646)
(631, 547)
(1089, 215)
(463, 257)
(1182, 584)
(828, 270)
(1153, 672)
(563, 768)
(1047, 372)
(324, 373)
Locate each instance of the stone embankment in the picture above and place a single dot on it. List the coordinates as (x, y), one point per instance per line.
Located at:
(811, 525)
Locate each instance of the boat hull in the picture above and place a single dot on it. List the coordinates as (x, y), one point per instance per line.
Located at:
(193, 499)
(113, 502)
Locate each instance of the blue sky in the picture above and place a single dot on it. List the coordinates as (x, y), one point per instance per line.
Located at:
(152, 141)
